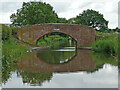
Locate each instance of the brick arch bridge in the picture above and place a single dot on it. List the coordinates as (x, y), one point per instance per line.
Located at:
(83, 35)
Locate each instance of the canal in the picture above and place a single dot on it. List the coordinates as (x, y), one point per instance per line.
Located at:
(63, 68)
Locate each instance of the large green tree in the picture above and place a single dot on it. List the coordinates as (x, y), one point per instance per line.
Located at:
(34, 13)
(61, 20)
(92, 18)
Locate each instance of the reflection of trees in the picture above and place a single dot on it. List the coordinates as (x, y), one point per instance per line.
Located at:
(34, 78)
(55, 56)
(5, 74)
(103, 58)
(6, 71)
(27, 77)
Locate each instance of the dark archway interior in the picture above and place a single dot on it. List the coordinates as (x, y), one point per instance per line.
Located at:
(56, 39)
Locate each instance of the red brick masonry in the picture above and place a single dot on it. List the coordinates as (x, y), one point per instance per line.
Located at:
(83, 35)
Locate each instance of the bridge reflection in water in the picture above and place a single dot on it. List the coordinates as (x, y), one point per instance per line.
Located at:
(82, 61)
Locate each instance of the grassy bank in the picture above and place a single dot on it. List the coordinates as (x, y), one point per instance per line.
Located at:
(108, 44)
(12, 51)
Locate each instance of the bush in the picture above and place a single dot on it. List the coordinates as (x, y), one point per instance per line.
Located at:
(14, 30)
(6, 32)
(108, 44)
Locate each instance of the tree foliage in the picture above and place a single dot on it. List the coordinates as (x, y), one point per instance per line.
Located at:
(6, 32)
(71, 21)
(61, 20)
(116, 29)
(92, 18)
(34, 13)
(14, 30)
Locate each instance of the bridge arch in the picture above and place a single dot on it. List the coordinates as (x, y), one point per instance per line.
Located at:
(84, 35)
(39, 37)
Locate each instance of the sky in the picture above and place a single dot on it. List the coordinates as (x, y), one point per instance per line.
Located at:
(66, 8)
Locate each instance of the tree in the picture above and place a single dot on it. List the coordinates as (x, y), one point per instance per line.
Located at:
(117, 29)
(6, 32)
(61, 20)
(34, 13)
(14, 30)
(92, 18)
(71, 21)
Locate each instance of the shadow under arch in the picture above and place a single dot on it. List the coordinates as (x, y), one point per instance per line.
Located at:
(39, 37)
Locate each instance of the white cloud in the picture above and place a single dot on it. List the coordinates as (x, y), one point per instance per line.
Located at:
(71, 8)
(5, 18)
(8, 7)
(108, 8)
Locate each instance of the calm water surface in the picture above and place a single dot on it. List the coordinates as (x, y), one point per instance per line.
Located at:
(63, 68)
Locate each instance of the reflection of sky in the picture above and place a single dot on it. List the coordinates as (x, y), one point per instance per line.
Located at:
(64, 50)
(103, 78)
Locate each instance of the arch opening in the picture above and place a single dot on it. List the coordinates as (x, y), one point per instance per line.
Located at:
(56, 40)
(62, 47)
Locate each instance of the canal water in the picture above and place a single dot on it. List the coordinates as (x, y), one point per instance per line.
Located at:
(63, 68)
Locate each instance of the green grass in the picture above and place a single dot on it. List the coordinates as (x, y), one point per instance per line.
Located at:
(12, 51)
(119, 52)
(108, 44)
